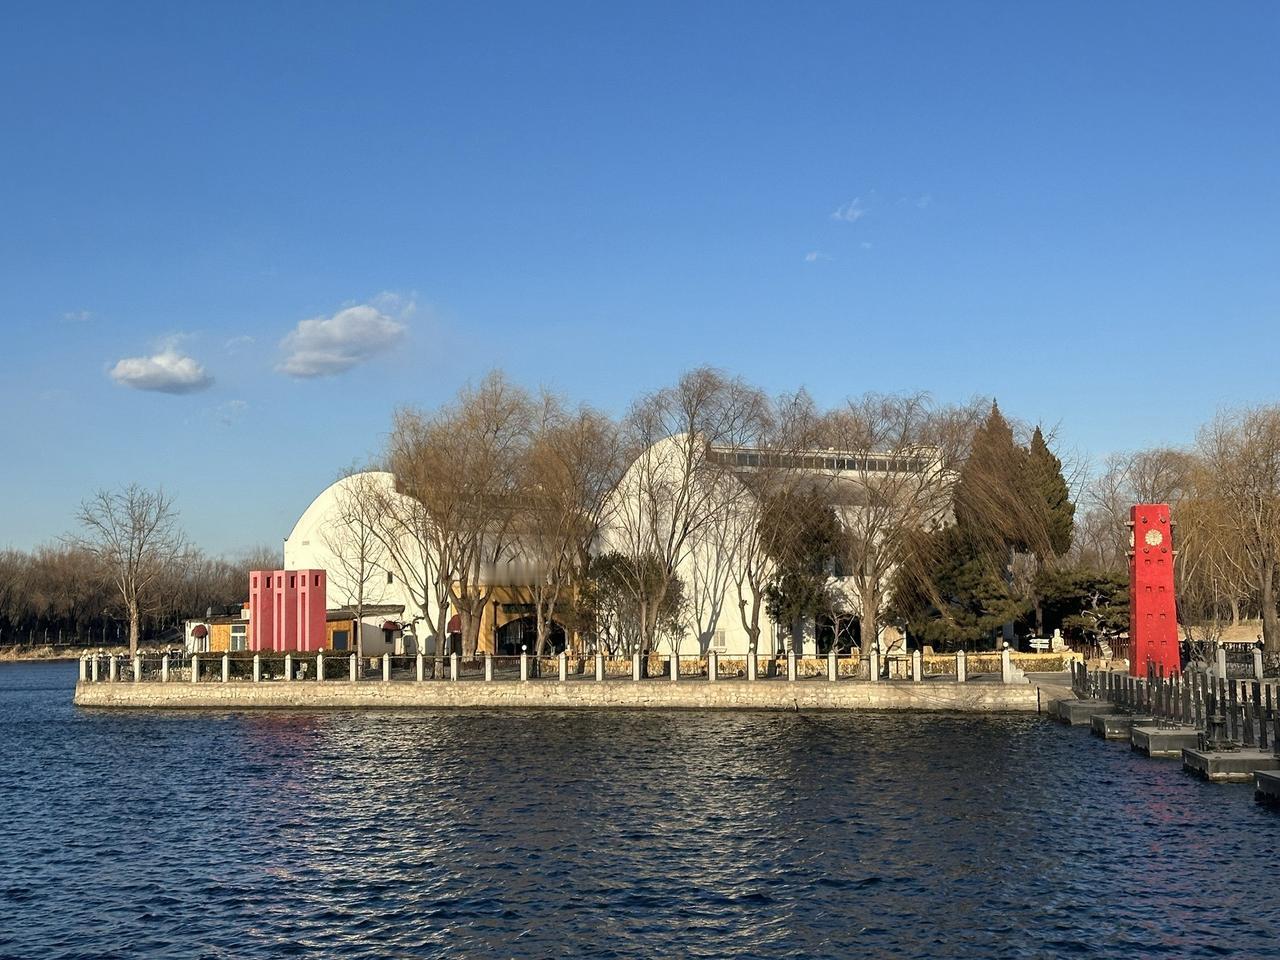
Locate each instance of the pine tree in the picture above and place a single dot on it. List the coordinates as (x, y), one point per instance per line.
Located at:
(991, 497)
(1051, 512)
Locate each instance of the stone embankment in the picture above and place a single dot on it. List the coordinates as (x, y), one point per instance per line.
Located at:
(978, 697)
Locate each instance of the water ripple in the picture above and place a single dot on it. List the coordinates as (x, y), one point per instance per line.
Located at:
(603, 835)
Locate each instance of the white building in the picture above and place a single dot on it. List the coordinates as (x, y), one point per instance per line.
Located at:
(383, 571)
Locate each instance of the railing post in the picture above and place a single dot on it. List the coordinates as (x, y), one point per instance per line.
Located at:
(386, 668)
(1257, 661)
(673, 666)
(319, 667)
(112, 668)
(226, 667)
(713, 665)
(1006, 664)
(791, 666)
(564, 666)
(93, 669)
(753, 666)
(353, 667)
(635, 667)
(84, 668)
(195, 668)
(164, 669)
(599, 667)
(454, 662)
(137, 667)
(1220, 661)
(962, 666)
(833, 669)
(288, 667)
(488, 666)
(875, 662)
(422, 667)
(257, 668)
(524, 663)
(917, 666)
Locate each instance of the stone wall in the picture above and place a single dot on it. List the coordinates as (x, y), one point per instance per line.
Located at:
(616, 694)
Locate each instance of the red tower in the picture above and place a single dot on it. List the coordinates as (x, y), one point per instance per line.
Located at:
(1153, 614)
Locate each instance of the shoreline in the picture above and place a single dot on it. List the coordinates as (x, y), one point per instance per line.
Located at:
(801, 695)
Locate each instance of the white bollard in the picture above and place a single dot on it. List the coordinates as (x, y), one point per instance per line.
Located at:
(753, 666)
(524, 663)
(226, 667)
(454, 664)
(288, 667)
(164, 669)
(713, 666)
(1257, 662)
(564, 666)
(875, 662)
(488, 667)
(833, 671)
(673, 667)
(1220, 661)
(635, 667)
(599, 667)
(84, 668)
(386, 668)
(195, 668)
(792, 673)
(353, 666)
(257, 668)
(137, 668)
(112, 668)
(319, 667)
(917, 666)
(422, 667)
(962, 667)
(93, 669)
(1006, 665)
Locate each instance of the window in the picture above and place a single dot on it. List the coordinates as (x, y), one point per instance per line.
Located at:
(717, 641)
(340, 638)
(293, 581)
(239, 636)
(317, 583)
(391, 577)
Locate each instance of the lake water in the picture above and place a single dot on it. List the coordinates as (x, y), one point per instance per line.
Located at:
(549, 834)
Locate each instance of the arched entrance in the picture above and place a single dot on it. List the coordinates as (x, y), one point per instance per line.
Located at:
(523, 631)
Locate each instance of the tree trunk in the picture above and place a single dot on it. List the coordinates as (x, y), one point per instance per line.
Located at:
(135, 629)
(1267, 598)
(870, 618)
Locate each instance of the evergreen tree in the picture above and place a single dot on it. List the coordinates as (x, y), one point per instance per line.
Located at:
(991, 495)
(1051, 511)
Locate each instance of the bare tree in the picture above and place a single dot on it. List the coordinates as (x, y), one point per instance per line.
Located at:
(892, 470)
(682, 440)
(356, 546)
(1241, 453)
(464, 465)
(572, 467)
(135, 536)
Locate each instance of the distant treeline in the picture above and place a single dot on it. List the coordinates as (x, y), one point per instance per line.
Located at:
(63, 594)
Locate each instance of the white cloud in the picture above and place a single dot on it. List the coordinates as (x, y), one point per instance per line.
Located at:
(850, 212)
(323, 346)
(813, 256)
(924, 200)
(235, 343)
(231, 411)
(165, 372)
(77, 316)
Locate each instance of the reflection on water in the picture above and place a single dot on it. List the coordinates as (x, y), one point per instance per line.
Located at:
(609, 835)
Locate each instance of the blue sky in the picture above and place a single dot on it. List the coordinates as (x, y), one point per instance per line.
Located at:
(1073, 207)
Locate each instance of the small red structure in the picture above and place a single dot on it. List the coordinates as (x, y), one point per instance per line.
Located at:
(287, 610)
(1153, 613)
